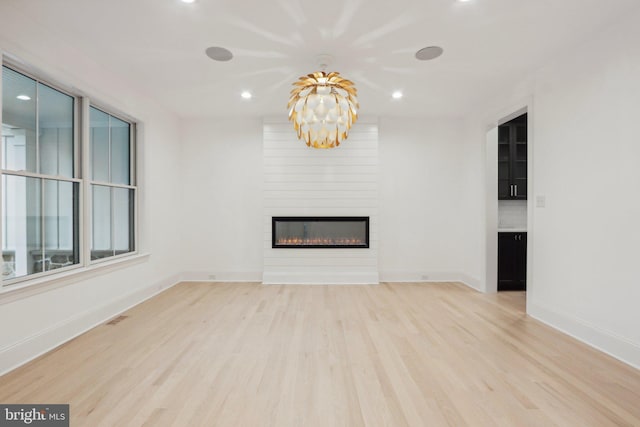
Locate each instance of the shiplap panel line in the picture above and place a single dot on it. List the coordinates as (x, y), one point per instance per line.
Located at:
(331, 264)
(311, 178)
(343, 163)
(313, 254)
(321, 186)
(288, 203)
(287, 132)
(339, 161)
(319, 211)
(297, 195)
(299, 147)
(344, 173)
(311, 194)
(355, 141)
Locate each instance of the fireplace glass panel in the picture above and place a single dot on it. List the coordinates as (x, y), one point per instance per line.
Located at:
(320, 232)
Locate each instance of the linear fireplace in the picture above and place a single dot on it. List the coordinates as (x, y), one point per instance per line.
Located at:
(309, 232)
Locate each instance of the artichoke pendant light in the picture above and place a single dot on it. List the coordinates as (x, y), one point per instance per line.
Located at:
(322, 107)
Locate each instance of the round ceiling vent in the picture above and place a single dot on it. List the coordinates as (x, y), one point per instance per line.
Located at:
(219, 53)
(429, 53)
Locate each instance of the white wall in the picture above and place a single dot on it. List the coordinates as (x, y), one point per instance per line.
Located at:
(70, 306)
(301, 181)
(423, 193)
(221, 204)
(423, 200)
(586, 164)
(473, 200)
(423, 180)
(583, 246)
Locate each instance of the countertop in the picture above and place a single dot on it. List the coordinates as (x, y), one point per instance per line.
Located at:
(512, 230)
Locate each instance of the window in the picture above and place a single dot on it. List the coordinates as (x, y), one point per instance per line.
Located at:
(39, 187)
(46, 193)
(112, 192)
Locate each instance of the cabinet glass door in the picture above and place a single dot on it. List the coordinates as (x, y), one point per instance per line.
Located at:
(512, 159)
(519, 152)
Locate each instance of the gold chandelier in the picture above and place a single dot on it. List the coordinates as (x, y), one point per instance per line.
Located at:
(322, 107)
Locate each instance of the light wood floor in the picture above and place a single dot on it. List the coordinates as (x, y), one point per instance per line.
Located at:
(393, 355)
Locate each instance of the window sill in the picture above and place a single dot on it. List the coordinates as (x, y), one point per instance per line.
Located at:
(32, 287)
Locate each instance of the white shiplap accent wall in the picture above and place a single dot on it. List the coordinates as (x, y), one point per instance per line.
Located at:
(301, 181)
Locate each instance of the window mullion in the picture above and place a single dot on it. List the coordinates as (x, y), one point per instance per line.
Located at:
(111, 195)
(109, 160)
(86, 225)
(78, 138)
(132, 156)
(42, 225)
(2, 192)
(37, 129)
(135, 167)
(41, 180)
(113, 220)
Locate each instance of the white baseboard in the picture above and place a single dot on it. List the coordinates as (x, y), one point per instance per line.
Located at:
(605, 341)
(472, 282)
(33, 346)
(430, 277)
(329, 278)
(320, 278)
(419, 276)
(225, 276)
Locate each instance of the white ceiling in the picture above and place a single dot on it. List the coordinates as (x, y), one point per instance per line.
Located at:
(159, 45)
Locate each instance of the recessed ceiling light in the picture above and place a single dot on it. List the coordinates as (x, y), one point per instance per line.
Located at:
(23, 97)
(461, 1)
(187, 1)
(428, 53)
(397, 94)
(246, 94)
(219, 53)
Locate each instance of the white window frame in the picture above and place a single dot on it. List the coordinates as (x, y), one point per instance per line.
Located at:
(81, 175)
(88, 182)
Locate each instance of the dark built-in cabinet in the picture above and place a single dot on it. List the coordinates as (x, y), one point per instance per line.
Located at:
(512, 159)
(512, 261)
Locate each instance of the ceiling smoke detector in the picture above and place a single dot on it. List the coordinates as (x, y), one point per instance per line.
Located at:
(219, 54)
(429, 53)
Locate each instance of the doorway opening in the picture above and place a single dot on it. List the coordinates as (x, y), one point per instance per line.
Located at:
(512, 174)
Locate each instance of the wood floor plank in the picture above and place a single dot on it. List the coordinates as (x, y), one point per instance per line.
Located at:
(243, 354)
